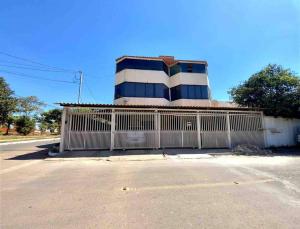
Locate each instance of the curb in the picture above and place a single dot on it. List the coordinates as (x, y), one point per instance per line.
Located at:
(29, 141)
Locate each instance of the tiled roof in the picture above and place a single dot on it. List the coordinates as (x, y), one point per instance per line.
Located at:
(156, 107)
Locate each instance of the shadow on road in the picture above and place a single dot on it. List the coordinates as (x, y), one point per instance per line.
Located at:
(39, 154)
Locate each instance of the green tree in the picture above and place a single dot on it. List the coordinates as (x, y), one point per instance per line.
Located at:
(25, 125)
(43, 127)
(275, 89)
(30, 105)
(7, 102)
(52, 119)
(10, 120)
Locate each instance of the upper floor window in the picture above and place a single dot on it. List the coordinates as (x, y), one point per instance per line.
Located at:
(189, 92)
(142, 65)
(187, 67)
(146, 90)
(159, 65)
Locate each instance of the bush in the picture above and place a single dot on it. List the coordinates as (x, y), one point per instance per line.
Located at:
(25, 125)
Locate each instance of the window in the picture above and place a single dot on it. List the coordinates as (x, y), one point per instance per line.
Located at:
(142, 65)
(189, 92)
(187, 67)
(147, 90)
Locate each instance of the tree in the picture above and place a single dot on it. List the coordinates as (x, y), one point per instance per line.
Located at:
(43, 127)
(7, 102)
(30, 105)
(52, 119)
(10, 120)
(275, 89)
(25, 125)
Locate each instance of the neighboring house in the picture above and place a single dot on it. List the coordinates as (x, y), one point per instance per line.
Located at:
(161, 80)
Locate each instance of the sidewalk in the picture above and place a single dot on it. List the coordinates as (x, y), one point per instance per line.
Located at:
(138, 155)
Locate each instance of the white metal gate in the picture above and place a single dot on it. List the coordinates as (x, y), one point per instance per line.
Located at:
(135, 130)
(178, 130)
(88, 129)
(96, 128)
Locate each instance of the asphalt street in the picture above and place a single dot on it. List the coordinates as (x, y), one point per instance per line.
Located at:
(218, 192)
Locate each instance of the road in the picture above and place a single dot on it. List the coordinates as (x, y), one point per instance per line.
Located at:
(218, 192)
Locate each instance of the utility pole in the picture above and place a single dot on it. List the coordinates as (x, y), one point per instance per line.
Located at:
(80, 86)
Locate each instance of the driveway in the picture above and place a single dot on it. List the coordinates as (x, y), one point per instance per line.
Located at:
(217, 192)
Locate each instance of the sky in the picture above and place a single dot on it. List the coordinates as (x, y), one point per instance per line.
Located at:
(236, 38)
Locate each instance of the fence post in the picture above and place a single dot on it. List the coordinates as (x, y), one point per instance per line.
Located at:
(228, 130)
(85, 129)
(263, 125)
(198, 131)
(62, 130)
(112, 130)
(158, 128)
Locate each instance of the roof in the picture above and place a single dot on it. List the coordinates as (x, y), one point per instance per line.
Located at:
(166, 59)
(157, 107)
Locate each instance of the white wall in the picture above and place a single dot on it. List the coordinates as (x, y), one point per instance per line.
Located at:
(188, 78)
(142, 76)
(280, 131)
(191, 102)
(141, 101)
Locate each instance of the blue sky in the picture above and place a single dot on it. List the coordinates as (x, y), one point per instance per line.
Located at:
(237, 38)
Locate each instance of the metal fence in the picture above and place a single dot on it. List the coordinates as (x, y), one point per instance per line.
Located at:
(101, 128)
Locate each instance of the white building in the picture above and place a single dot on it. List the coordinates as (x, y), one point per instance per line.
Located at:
(161, 81)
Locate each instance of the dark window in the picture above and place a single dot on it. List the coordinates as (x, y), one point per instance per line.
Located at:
(174, 69)
(189, 92)
(142, 65)
(187, 67)
(199, 68)
(139, 90)
(148, 90)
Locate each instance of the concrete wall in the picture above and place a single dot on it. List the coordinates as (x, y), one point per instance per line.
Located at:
(141, 101)
(280, 131)
(141, 76)
(188, 78)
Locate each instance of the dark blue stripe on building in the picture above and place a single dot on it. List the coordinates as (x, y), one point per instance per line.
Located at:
(142, 65)
(158, 65)
(145, 90)
(189, 92)
(159, 90)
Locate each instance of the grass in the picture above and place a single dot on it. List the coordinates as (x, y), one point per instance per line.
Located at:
(15, 138)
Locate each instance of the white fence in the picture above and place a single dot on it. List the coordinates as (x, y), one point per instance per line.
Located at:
(280, 131)
(103, 128)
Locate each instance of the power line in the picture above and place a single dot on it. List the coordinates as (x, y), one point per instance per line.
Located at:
(29, 68)
(35, 77)
(90, 91)
(35, 62)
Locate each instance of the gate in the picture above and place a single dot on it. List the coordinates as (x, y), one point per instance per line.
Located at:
(213, 130)
(178, 130)
(88, 129)
(96, 128)
(135, 130)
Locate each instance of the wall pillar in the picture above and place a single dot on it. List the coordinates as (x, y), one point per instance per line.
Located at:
(228, 130)
(62, 130)
(264, 130)
(198, 131)
(112, 130)
(157, 127)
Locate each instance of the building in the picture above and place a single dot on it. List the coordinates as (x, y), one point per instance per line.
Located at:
(160, 102)
(161, 80)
